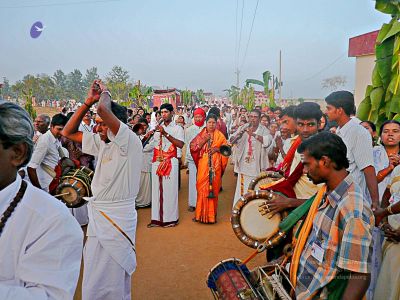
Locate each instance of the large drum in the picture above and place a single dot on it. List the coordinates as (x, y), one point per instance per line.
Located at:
(264, 178)
(229, 280)
(74, 186)
(250, 226)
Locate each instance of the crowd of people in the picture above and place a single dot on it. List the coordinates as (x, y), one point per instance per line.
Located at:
(347, 245)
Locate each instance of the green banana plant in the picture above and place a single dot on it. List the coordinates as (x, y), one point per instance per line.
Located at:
(382, 97)
(265, 84)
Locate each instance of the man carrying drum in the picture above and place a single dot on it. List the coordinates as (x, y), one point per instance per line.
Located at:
(109, 253)
(332, 254)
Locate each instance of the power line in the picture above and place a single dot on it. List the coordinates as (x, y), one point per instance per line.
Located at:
(240, 36)
(251, 30)
(327, 67)
(59, 4)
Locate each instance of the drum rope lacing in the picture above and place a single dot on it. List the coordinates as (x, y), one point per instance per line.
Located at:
(10, 209)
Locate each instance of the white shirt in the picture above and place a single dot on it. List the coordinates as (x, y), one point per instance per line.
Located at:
(117, 173)
(175, 131)
(84, 127)
(359, 151)
(45, 152)
(190, 134)
(40, 247)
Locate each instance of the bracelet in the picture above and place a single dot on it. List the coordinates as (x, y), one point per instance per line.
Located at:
(84, 103)
(389, 210)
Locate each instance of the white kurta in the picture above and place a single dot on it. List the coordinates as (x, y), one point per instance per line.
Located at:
(115, 186)
(164, 204)
(190, 133)
(45, 153)
(249, 169)
(40, 247)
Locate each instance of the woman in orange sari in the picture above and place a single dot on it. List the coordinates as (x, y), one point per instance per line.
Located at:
(206, 208)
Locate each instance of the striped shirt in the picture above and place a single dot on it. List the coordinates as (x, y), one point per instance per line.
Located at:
(359, 151)
(342, 234)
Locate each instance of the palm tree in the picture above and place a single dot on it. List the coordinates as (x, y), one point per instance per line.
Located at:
(233, 94)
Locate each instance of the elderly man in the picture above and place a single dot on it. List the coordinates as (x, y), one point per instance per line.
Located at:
(110, 254)
(40, 242)
(41, 125)
(47, 153)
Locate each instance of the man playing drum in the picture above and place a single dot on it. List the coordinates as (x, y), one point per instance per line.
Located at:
(109, 253)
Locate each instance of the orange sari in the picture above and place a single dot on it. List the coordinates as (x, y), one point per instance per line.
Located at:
(206, 208)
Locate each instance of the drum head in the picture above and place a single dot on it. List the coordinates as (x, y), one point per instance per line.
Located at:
(249, 225)
(264, 178)
(256, 226)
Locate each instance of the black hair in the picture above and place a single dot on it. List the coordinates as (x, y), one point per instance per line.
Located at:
(130, 111)
(214, 110)
(342, 99)
(256, 111)
(143, 120)
(69, 115)
(59, 120)
(289, 111)
(146, 114)
(326, 144)
(211, 116)
(372, 125)
(155, 108)
(274, 109)
(120, 112)
(308, 111)
(387, 122)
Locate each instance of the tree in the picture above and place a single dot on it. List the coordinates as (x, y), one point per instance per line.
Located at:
(6, 90)
(187, 97)
(75, 88)
(60, 84)
(382, 98)
(90, 76)
(117, 83)
(140, 94)
(233, 94)
(28, 104)
(265, 84)
(333, 83)
(200, 96)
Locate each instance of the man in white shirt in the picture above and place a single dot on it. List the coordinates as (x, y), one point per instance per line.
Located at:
(340, 105)
(47, 153)
(252, 140)
(109, 254)
(41, 125)
(40, 242)
(168, 138)
(190, 133)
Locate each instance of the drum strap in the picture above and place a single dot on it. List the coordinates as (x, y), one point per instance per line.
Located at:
(118, 228)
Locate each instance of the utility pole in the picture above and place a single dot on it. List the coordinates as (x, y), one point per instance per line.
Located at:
(237, 77)
(280, 77)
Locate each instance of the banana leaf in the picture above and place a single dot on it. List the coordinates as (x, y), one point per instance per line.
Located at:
(254, 81)
(387, 7)
(395, 104)
(392, 84)
(368, 90)
(396, 47)
(397, 117)
(364, 108)
(383, 32)
(384, 66)
(376, 79)
(376, 97)
(395, 29)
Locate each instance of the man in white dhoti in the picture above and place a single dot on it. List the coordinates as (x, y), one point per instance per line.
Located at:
(40, 242)
(109, 254)
(48, 151)
(165, 168)
(252, 140)
(144, 195)
(191, 132)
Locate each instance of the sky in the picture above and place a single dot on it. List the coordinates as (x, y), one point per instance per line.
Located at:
(186, 43)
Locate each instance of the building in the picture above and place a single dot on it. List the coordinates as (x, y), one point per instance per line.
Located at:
(172, 96)
(362, 47)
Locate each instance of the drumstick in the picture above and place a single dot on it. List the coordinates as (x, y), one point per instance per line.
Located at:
(63, 194)
(250, 257)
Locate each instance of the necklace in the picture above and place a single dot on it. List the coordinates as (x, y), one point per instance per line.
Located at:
(7, 214)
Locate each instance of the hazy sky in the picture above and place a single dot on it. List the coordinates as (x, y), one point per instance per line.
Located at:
(186, 43)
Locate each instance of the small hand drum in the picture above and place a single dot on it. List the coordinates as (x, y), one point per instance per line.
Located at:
(74, 186)
(249, 225)
(264, 178)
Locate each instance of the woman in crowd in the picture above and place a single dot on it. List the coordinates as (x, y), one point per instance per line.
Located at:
(204, 146)
(371, 129)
